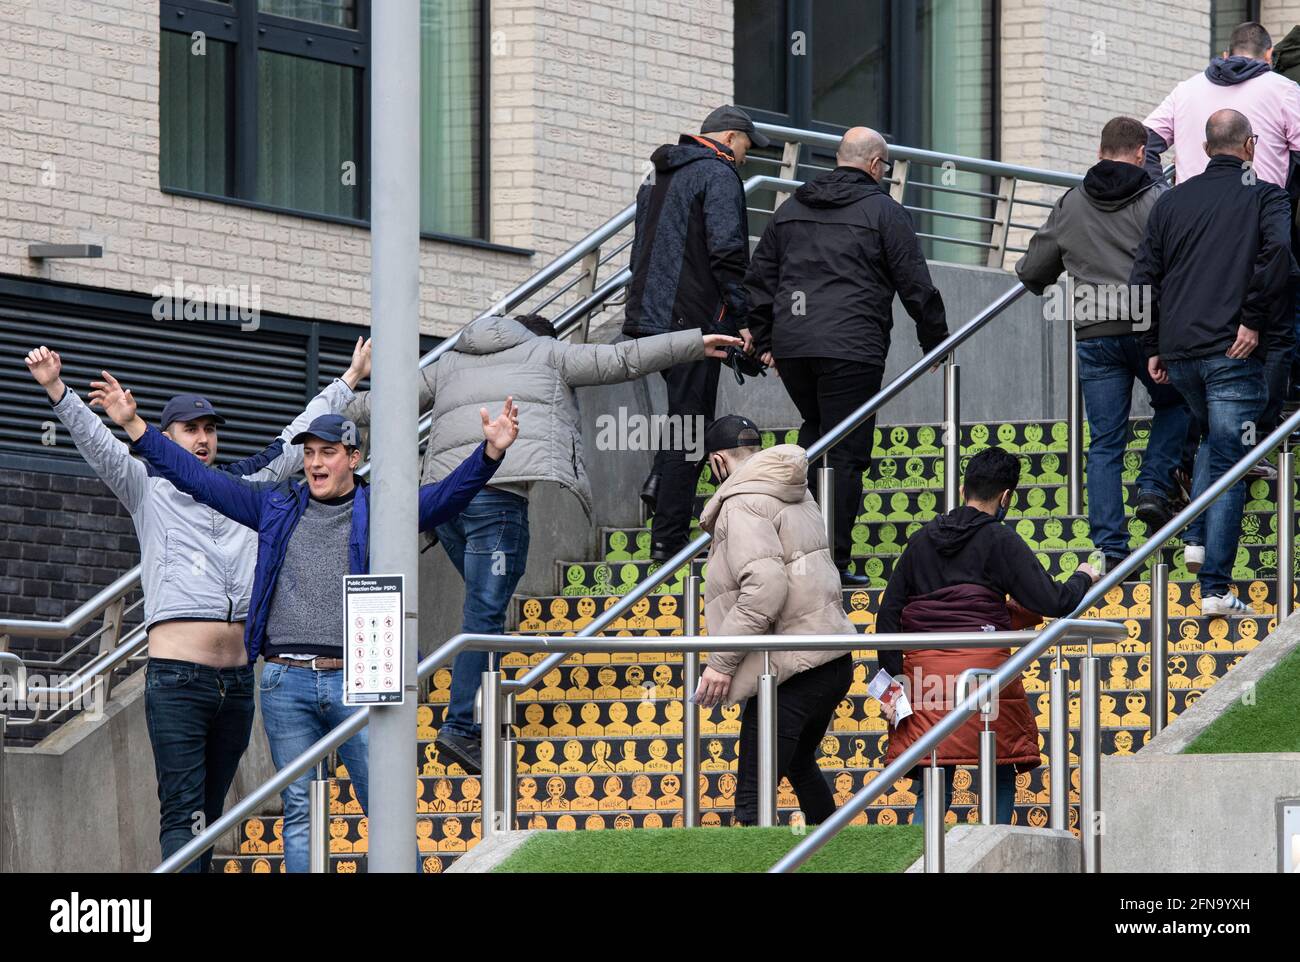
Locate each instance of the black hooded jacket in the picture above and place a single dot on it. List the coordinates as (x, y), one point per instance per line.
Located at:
(824, 274)
(968, 546)
(691, 245)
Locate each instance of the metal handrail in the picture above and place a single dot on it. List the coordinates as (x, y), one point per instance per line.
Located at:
(1021, 659)
(566, 644)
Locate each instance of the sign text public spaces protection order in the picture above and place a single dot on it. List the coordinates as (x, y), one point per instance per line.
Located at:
(372, 662)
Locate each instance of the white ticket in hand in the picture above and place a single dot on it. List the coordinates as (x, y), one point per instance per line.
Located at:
(891, 696)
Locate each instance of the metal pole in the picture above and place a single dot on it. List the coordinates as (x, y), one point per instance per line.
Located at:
(1074, 412)
(933, 787)
(491, 736)
(951, 434)
(319, 823)
(395, 325)
(1058, 758)
(509, 762)
(826, 495)
(1090, 764)
(988, 775)
(767, 744)
(1285, 531)
(1159, 645)
(4, 841)
(691, 711)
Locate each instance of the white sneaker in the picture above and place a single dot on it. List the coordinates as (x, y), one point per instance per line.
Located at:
(1226, 605)
(1193, 557)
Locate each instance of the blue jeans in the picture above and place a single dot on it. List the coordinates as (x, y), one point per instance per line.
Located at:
(199, 720)
(1228, 396)
(300, 706)
(1005, 782)
(1107, 369)
(488, 544)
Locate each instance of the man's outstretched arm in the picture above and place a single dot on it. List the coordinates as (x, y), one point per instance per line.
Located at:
(238, 500)
(443, 500)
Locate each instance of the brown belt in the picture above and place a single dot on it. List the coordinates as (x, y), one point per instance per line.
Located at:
(319, 663)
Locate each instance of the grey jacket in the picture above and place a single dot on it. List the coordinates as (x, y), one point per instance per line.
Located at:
(498, 356)
(195, 563)
(1093, 234)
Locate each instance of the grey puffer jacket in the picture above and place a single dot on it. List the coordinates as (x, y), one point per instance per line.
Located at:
(770, 570)
(498, 356)
(195, 563)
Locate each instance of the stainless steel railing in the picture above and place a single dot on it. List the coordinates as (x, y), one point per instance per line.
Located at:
(1090, 830)
(492, 795)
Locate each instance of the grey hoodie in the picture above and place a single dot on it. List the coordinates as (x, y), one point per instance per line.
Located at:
(1093, 234)
(496, 356)
(195, 563)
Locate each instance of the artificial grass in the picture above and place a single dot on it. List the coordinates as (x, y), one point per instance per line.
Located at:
(865, 848)
(1271, 724)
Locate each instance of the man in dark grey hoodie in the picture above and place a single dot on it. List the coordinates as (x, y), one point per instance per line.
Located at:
(1092, 235)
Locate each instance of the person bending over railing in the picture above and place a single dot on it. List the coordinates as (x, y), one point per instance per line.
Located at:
(955, 575)
(310, 534)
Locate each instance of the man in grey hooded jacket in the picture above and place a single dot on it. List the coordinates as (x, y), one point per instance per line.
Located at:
(1092, 235)
(488, 542)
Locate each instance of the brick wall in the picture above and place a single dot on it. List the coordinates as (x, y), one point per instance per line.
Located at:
(1279, 16)
(581, 92)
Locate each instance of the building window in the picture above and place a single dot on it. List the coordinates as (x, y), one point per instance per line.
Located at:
(266, 102)
(1226, 16)
(922, 72)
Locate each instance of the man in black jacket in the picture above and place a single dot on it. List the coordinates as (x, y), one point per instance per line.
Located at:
(822, 287)
(1216, 260)
(689, 255)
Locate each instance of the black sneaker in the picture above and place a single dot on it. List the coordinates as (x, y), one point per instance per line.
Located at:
(465, 752)
(661, 552)
(650, 492)
(1153, 510)
(849, 580)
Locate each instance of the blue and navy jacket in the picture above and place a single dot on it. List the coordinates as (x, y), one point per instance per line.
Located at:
(273, 510)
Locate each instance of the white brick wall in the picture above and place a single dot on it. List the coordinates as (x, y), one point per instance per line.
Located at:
(1279, 16)
(582, 90)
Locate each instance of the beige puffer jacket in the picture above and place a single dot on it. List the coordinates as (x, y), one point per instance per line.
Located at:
(770, 570)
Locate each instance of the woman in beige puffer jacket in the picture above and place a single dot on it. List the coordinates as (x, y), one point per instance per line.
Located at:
(770, 572)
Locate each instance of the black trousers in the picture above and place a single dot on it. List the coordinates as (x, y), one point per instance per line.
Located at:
(692, 393)
(805, 705)
(827, 390)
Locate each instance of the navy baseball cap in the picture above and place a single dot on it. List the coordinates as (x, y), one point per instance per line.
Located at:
(728, 117)
(330, 427)
(732, 431)
(189, 407)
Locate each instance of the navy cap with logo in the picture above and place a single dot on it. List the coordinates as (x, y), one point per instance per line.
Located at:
(728, 117)
(330, 427)
(189, 407)
(732, 431)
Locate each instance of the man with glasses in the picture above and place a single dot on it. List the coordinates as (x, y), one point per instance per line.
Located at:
(1215, 260)
(821, 286)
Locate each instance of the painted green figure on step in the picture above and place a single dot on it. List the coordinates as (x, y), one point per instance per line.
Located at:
(1141, 434)
(1132, 465)
(1137, 533)
(1250, 529)
(861, 536)
(1028, 532)
(898, 446)
(792, 436)
(617, 547)
(925, 438)
(1052, 540)
(1081, 537)
(912, 529)
(767, 438)
(899, 507)
(1242, 569)
(1033, 443)
(888, 540)
(1050, 470)
(1007, 438)
(1061, 436)
(575, 579)
(705, 487)
(1061, 499)
(1035, 506)
(871, 507)
(1044, 560)
(603, 580)
(936, 474)
(925, 505)
(1266, 570)
(1178, 570)
(1259, 499)
(629, 575)
(914, 469)
(875, 570)
(979, 438)
(642, 552)
(1069, 562)
(887, 475)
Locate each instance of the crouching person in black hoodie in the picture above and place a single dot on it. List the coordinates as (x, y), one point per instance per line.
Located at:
(956, 575)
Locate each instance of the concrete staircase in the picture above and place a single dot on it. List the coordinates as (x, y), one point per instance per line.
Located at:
(601, 737)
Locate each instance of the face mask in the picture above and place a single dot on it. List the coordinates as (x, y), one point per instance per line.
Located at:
(719, 469)
(1001, 513)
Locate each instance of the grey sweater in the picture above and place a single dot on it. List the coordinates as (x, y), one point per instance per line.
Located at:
(306, 616)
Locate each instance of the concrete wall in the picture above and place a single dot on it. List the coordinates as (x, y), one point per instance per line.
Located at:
(990, 849)
(86, 800)
(1170, 812)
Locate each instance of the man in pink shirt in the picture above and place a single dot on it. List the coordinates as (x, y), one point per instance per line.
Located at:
(1242, 79)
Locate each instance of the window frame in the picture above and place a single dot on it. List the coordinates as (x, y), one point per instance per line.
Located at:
(249, 31)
